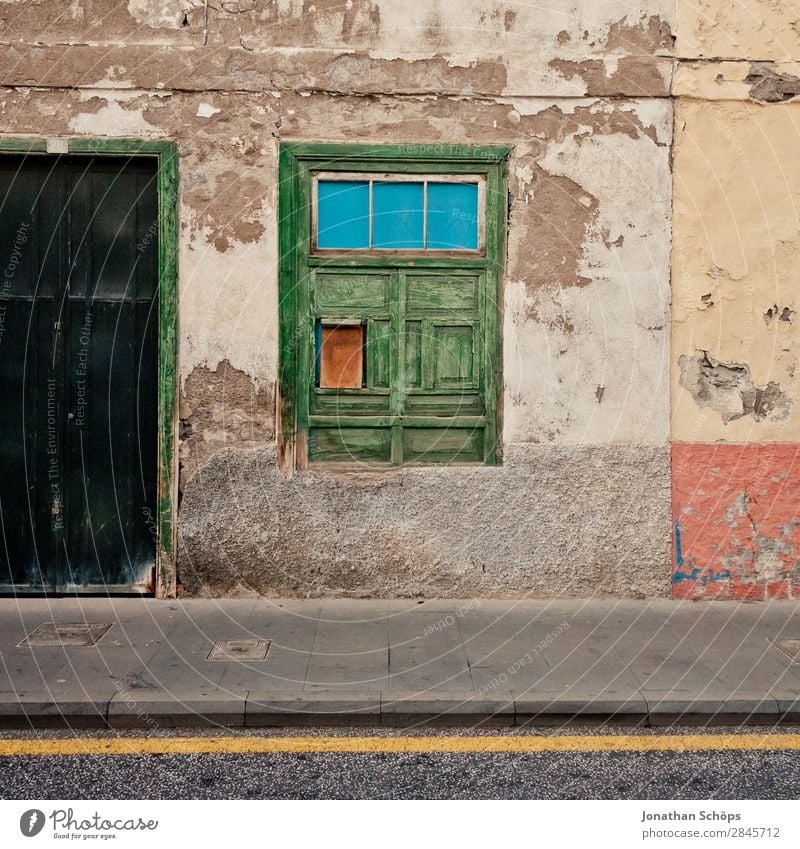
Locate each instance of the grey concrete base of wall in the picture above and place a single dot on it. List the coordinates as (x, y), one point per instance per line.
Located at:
(551, 521)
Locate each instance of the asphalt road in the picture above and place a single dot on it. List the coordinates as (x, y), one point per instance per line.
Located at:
(311, 775)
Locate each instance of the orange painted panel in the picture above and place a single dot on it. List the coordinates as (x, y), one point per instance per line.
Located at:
(341, 364)
(736, 520)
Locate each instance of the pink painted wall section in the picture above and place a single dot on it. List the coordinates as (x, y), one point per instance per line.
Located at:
(736, 520)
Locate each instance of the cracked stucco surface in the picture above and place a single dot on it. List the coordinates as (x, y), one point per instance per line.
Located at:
(597, 47)
(735, 513)
(728, 388)
(730, 29)
(736, 218)
(590, 187)
(536, 526)
(736, 243)
(611, 330)
(736, 258)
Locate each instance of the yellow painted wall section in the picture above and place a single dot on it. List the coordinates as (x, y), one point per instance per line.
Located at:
(736, 270)
(738, 29)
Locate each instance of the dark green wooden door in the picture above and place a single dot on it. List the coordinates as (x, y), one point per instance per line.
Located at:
(78, 371)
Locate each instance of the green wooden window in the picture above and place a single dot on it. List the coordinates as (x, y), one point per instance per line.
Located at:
(390, 278)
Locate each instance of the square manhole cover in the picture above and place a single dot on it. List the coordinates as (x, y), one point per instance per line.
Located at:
(791, 648)
(239, 650)
(77, 634)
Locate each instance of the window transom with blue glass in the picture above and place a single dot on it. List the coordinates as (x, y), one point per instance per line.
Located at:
(398, 212)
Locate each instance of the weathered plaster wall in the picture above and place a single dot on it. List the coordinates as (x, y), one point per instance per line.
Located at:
(538, 525)
(737, 531)
(474, 47)
(736, 244)
(586, 336)
(734, 29)
(580, 506)
(736, 266)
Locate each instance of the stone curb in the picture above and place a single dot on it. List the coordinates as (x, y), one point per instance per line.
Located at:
(152, 710)
(712, 709)
(45, 710)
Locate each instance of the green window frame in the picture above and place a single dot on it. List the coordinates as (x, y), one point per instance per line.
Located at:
(430, 319)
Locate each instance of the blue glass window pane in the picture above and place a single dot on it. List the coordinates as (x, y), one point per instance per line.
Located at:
(453, 216)
(342, 214)
(398, 216)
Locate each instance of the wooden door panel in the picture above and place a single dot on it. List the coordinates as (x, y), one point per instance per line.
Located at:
(340, 294)
(434, 295)
(454, 356)
(31, 432)
(442, 444)
(379, 353)
(355, 444)
(78, 361)
(443, 403)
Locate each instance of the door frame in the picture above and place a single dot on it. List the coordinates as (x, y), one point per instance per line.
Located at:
(166, 154)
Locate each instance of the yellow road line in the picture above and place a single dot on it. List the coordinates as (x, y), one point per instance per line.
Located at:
(366, 745)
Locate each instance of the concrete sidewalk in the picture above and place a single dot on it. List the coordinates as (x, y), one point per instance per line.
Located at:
(399, 662)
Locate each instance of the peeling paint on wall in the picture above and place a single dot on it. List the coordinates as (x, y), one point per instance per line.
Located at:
(113, 119)
(769, 86)
(590, 240)
(719, 29)
(736, 262)
(728, 388)
(221, 408)
(735, 266)
(371, 47)
(586, 287)
(157, 13)
(737, 525)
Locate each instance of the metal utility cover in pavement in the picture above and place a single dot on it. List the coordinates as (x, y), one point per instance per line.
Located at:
(239, 650)
(77, 634)
(791, 648)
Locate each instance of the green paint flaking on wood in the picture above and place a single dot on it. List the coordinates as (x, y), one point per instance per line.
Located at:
(286, 409)
(378, 353)
(167, 365)
(438, 157)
